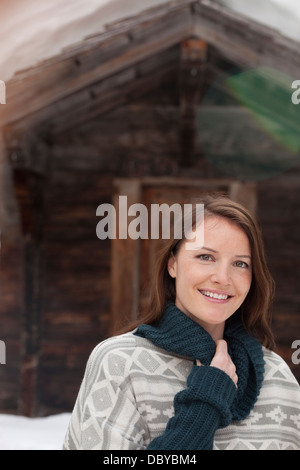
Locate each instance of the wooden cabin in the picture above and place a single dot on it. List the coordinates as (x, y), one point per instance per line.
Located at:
(153, 109)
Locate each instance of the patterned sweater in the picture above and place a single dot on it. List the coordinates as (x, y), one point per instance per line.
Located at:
(127, 393)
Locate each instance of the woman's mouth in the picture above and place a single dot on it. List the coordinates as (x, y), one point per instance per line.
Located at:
(215, 296)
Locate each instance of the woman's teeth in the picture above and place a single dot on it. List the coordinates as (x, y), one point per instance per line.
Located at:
(213, 295)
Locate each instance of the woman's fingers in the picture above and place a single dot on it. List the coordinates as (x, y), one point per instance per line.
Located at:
(223, 361)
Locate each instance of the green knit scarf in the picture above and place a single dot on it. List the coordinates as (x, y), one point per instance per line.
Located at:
(179, 334)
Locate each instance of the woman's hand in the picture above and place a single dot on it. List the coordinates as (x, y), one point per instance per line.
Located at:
(222, 360)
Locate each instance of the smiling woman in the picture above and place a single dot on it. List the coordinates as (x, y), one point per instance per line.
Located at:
(218, 274)
(235, 246)
(199, 362)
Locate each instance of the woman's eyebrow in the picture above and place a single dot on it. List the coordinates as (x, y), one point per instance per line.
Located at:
(214, 251)
(208, 249)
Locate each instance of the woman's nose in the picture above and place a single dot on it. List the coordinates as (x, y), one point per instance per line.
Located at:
(221, 275)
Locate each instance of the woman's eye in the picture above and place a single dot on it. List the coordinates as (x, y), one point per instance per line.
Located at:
(205, 257)
(241, 264)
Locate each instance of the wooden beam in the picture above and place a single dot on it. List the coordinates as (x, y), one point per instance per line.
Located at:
(108, 54)
(125, 262)
(192, 78)
(28, 402)
(30, 191)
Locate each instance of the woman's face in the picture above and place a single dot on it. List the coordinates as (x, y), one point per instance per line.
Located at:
(214, 280)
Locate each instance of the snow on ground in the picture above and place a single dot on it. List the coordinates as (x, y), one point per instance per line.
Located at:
(22, 433)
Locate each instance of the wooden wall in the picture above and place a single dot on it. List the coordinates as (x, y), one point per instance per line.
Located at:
(11, 295)
(135, 140)
(75, 284)
(279, 216)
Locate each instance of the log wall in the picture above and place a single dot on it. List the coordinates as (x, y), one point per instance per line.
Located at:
(136, 140)
(114, 107)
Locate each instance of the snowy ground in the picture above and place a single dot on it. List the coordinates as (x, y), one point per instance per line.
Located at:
(21, 433)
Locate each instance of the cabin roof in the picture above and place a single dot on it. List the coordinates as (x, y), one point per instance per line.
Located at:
(94, 68)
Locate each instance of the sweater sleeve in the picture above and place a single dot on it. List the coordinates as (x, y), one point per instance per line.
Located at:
(105, 416)
(200, 409)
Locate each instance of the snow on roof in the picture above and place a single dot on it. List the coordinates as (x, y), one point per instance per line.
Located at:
(32, 30)
(283, 15)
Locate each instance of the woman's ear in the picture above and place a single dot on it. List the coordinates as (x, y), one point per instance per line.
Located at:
(172, 266)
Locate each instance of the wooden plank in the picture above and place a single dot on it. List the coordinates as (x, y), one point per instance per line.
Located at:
(31, 330)
(9, 217)
(192, 78)
(75, 284)
(229, 136)
(68, 76)
(30, 192)
(125, 262)
(103, 98)
(245, 193)
(11, 307)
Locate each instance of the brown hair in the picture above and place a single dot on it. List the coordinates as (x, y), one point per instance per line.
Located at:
(256, 308)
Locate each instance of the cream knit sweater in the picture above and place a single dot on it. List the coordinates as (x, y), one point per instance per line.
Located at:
(126, 399)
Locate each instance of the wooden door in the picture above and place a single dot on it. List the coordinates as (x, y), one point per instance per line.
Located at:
(133, 260)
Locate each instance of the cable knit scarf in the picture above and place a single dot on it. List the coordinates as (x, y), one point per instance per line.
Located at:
(179, 334)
